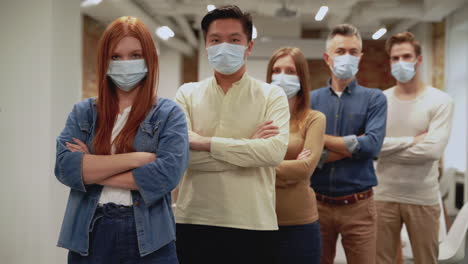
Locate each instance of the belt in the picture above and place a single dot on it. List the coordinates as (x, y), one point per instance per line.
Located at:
(114, 210)
(344, 200)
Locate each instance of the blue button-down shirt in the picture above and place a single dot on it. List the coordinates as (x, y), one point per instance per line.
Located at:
(163, 132)
(360, 116)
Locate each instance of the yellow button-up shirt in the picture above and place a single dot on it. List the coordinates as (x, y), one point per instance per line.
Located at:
(233, 185)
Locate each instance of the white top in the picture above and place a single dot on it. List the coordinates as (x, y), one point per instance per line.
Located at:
(339, 93)
(233, 185)
(112, 194)
(408, 173)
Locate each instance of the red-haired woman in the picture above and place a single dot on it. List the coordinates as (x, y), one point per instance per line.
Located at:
(121, 155)
(296, 208)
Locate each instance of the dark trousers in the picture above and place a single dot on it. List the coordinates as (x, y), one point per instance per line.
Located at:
(113, 240)
(299, 244)
(199, 244)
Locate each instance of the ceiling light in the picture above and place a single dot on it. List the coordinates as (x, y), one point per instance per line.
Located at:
(87, 3)
(321, 13)
(165, 32)
(379, 33)
(210, 8)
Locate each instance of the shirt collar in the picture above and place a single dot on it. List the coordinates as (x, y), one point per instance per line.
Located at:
(241, 82)
(348, 89)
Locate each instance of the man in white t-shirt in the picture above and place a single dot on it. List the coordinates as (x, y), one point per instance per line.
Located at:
(418, 127)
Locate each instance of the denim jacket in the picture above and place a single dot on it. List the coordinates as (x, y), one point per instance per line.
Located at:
(163, 132)
(360, 117)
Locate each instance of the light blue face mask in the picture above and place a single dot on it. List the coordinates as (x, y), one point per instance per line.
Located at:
(126, 74)
(403, 71)
(226, 58)
(345, 66)
(290, 83)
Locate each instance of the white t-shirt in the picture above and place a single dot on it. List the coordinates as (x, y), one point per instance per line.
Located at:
(112, 194)
(408, 173)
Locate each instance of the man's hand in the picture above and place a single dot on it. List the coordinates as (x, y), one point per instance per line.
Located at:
(78, 146)
(199, 143)
(336, 144)
(419, 138)
(266, 130)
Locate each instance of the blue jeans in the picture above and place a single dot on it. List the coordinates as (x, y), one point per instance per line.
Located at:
(300, 244)
(113, 240)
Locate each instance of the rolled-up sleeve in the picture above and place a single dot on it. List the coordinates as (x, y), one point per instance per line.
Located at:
(158, 178)
(68, 165)
(370, 143)
(352, 144)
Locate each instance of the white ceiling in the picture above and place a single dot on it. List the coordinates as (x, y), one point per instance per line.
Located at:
(184, 16)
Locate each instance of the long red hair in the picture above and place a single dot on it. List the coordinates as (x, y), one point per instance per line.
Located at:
(108, 102)
(303, 102)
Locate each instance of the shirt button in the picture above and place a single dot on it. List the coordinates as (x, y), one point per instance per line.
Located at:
(137, 203)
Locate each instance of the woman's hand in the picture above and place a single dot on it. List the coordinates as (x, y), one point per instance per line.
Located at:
(305, 153)
(143, 158)
(266, 130)
(280, 183)
(417, 139)
(79, 146)
(199, 143)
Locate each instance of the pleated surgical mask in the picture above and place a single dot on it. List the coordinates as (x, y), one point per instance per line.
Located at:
(403, 71)
(290, 83)
(226, 58)
(126, 74)
(345, 66)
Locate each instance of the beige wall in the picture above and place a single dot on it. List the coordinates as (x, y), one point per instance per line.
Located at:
(41, 80)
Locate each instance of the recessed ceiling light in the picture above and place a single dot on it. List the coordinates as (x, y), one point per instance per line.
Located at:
(165, 32)
(88, 3)
(379, 33)
(210, 8)
(321, 13)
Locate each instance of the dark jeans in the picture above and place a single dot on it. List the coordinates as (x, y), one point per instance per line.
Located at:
(300, 244)
(199, 244)
(113, 240)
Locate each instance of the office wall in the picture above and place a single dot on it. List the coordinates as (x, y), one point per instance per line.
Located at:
(456, 85)
(41, 79)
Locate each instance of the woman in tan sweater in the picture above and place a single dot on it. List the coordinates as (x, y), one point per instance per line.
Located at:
(299, 236)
